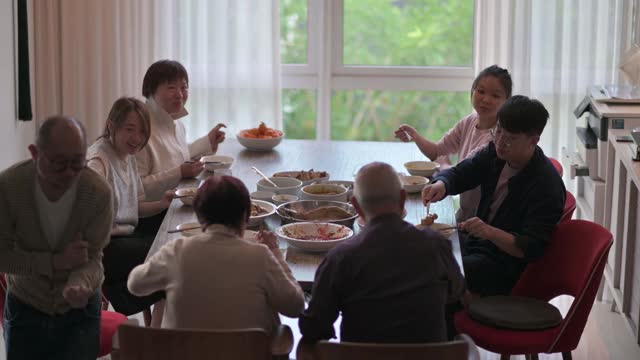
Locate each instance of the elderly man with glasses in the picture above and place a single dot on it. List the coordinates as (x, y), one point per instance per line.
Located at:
(55, 219)
(522, 199)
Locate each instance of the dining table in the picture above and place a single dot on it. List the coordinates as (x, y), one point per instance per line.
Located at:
(341, 159)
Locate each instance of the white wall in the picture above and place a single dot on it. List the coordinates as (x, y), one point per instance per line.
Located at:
(15, 135)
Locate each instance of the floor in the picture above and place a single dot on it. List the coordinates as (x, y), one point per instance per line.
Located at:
(605, 337)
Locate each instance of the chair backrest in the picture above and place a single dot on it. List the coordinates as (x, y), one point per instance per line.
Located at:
(142, 343)
(557, 165)
(569, 207)
(452, 350)
(572, 264)
(3, 295)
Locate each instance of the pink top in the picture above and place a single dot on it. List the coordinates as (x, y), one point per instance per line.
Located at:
(465, 140)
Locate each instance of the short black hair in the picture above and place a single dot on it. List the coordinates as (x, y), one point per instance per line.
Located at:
(521, 115)
(160, 72)
(223, 200)
(499, 73)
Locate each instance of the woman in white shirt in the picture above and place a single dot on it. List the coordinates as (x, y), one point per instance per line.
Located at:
(217, 279)
(113, 156)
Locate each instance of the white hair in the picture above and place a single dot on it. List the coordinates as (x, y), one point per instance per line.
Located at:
(377, 186)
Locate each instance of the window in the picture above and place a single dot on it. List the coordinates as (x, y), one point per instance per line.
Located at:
(347, 77)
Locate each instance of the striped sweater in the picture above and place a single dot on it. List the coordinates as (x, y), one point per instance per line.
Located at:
(25, 254)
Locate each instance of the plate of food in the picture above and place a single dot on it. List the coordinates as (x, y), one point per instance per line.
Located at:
(429, 221)
(260, 210)
(307, 177)
(317, 210)
(262, 138)
(315, 237)
(186, 195)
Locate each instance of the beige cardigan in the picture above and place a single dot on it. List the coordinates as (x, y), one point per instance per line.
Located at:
(218, 281)
(25, 254)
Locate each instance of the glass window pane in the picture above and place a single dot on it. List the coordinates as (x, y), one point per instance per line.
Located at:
(415, 32)
(375, 115)
(299, 113)
(293, 31)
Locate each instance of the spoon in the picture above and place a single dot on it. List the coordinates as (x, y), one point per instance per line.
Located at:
(265, 177)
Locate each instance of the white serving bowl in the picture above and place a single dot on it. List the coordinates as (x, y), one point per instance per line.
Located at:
(324, 192)
(262, 195)
(195, 227)
(413, 184)
(285, 185)
(269, 207)
(295, 174)
(283, 199)
(344, 183)
(188, 200)
(422, 168)
(216, 162)
(259, 144)
(291, 232)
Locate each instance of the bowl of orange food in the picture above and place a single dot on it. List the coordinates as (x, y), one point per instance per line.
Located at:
(262, 138)
(316, 237)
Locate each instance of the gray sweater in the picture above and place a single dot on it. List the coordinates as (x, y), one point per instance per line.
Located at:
(25, 254)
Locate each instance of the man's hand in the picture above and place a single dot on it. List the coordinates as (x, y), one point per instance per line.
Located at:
(77, 295)
(167, 197)
(405, 133)
(74, 254)
(267, 238)
(216, 136)
(191, 169)
(433, 192)
(477, 228)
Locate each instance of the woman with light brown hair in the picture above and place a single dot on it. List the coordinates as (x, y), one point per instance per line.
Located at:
(126, 132)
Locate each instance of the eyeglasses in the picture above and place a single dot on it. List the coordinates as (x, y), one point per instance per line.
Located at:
(60, 165)
(498, 136)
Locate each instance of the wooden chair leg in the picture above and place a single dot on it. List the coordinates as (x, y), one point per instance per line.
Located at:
(146, 314)
(505, 356)
(566, 355)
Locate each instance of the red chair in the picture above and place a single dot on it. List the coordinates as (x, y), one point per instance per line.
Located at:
(569, 208)
(108, 326)
(572, 265)
(557, 165)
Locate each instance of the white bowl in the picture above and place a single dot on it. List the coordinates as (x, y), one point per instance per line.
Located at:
(285, 185)
(422, 168)
(215, 162)
(283, 199)
(314, 176)
(319, 192)
(270, 210)
(259, 144)
(413, 184)
(188, 200)
(262, 195)
(291, 232)
(195, 227)
(344, 183)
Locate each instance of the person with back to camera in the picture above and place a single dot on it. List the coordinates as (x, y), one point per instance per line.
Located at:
(168, 158)
(522, 199)
(126, 132)
(218, 279)
(490, 89)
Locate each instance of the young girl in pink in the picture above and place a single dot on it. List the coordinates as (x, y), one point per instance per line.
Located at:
(489, 91)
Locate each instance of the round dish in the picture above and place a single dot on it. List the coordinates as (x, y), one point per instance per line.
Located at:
(283, 198)
(215, 162)
(344, 183)
(422, 168)
(285, 185)
(413, 184)
(293, 212)
(329, 192)
(267, 206)
(187, 200)
(307, 177)
(315, 237)
(259, 144)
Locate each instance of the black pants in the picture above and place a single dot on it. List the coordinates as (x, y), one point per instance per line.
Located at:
(120, 257)
(149, 226)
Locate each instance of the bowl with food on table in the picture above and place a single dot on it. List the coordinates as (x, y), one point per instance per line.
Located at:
(317, 211)
(284, 185)
(307, 177)
(261, 138)
(260, 210)
(329, 192)
(412, 183)
(422, 168)
(186, 195)
(313, 236)
(216, 162)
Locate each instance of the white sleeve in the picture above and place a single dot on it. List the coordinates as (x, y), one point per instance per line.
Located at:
(157, 183)
(153, 275)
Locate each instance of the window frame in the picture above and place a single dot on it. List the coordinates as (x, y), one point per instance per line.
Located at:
(325, 71)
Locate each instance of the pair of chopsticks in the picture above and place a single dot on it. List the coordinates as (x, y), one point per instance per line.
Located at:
(181, 230)
(208, 162)
(182, 196)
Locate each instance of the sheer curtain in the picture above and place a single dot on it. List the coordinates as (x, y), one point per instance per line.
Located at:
(87, 53)
(554, 50)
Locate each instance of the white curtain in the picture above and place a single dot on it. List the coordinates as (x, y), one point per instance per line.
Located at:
(554, 50)
(87, 53)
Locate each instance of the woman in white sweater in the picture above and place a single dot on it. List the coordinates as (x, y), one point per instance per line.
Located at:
(113, 156)
(217, 279)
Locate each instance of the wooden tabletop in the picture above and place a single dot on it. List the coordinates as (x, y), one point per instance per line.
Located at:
(340, 158)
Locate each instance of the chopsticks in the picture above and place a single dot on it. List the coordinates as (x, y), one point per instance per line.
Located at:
(181, 230)
(182, 196)
(265, 177)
